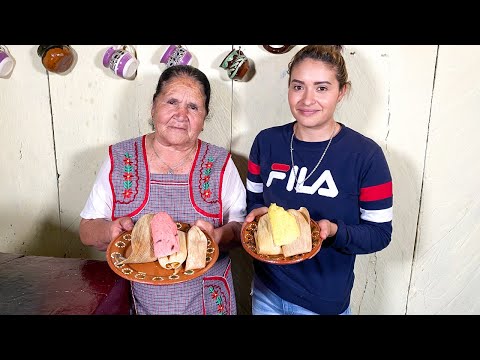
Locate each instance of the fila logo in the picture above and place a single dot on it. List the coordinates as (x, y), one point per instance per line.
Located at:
(279, 173)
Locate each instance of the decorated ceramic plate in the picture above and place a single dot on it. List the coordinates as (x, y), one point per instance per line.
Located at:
(248, 243)
(152, 272)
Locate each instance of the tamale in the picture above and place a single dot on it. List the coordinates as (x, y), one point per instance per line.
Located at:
(284, 226)
(141, 242)
(196, 249)
(165, 235)
(264, 239)
(175, 260)
(303, 243)
(305, 214)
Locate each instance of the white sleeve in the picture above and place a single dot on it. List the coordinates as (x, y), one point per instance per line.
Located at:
(100, 201)
(233, 195)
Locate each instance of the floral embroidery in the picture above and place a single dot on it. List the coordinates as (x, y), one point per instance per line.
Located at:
(206, 191)
(127, 164)
(213, 293)
(206, 182)
(218, 300)
(127, 175)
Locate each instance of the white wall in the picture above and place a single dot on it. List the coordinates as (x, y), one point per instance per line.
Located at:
(446, 266)
(417, 102)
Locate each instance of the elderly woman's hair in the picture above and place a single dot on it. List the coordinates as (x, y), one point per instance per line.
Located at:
(188, 71)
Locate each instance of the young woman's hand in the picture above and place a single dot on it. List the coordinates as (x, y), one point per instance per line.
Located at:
(256, 212)
(327, 229)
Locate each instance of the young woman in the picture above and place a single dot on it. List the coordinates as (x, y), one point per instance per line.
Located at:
(339, 175)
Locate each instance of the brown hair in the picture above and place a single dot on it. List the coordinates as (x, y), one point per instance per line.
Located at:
(328, 54)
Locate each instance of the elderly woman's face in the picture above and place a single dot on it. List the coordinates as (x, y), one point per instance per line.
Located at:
(179, 111)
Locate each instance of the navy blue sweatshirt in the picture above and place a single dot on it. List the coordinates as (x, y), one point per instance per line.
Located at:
(352, 187)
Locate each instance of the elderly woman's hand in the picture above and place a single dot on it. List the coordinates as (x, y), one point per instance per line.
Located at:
(207, 227)
(100, 232)
(226, 236)
(119, 226)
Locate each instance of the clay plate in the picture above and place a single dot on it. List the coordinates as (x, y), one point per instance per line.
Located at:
(248, 243)
(151, 272)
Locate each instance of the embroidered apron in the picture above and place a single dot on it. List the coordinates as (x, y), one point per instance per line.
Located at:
(186, 197)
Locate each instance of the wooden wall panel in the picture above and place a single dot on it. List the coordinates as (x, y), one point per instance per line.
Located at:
(29, 214)
(261, 101)
(390, 103)
(92, 108)
(446, 273)
(258, 103)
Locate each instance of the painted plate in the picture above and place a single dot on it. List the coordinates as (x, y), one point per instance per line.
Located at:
(248, 243)
(151, 272)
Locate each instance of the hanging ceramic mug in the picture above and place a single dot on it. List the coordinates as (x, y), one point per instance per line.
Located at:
(121, 60)
(56, 58)
(176, 55)
(236, 64)
(278, 49)
(6, 62)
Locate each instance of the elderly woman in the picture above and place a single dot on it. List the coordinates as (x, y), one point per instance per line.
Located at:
(168, 166)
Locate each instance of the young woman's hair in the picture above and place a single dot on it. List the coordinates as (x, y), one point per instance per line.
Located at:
(328, 54)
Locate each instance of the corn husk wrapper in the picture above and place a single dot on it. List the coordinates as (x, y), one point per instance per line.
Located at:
(305, 214)
(303, 243)
(175, 260)
(264, 239)
(284, 226)
(141, 242)
(196, 248)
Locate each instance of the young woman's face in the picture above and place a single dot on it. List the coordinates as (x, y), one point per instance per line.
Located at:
(313, 93)
(179, 111)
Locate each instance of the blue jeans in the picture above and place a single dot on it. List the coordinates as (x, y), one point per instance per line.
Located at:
(266, 302)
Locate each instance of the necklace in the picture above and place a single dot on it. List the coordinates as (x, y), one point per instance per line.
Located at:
(318, 163)
(171, 170)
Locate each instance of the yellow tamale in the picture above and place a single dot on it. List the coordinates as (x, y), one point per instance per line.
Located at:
(285, 228)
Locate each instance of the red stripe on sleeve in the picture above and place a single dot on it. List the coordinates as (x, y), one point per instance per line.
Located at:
(377, 192)
(253, 168)
(280, 167)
